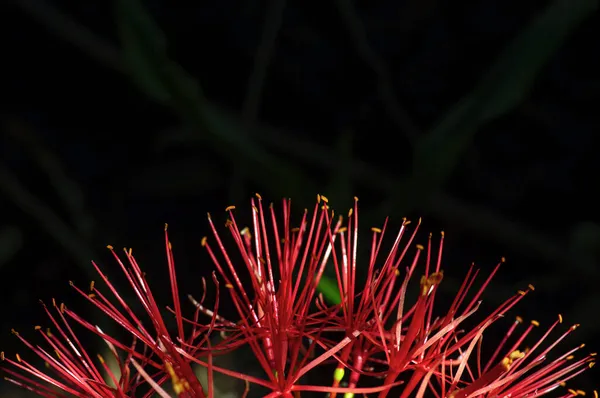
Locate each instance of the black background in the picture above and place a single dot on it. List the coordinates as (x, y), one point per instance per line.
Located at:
(93, 152)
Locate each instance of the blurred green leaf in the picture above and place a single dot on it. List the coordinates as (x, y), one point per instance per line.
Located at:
(11, 241)
(130, 23)
(504, 86)
(328, 286)
(144, 49)
(181, 177)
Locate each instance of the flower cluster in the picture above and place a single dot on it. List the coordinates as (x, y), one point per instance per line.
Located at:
(385, 335)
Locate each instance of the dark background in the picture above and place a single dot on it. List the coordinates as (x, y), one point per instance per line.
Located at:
(479, 116)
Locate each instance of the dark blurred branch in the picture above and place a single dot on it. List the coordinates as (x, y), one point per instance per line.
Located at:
(480, 220)
(385, 84)
(50, 221)
(515, 235)
(71, 31)
(67, 189)
(476, 218)
(262, 59)
(256, 83)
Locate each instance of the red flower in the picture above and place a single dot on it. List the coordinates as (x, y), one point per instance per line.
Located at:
(159, 355)
(284, 265)
(378, 330)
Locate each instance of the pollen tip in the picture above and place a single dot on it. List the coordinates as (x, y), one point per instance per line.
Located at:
(324, 199)
(420, 247)
(443, 233)
(356, 198)
(258, 196)
(560, 318)
(503, 259)
(109, 247)
(531, 287)
(229, 208)
(166, 226)
(535, 323)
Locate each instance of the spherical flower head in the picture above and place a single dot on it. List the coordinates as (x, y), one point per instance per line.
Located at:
(378, 329)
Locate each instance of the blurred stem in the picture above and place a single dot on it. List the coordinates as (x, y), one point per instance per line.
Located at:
(262, 60)
(385, 84)
(67, 189)
(50, 221)
(488, 223)
(256, 84)
(63, 26)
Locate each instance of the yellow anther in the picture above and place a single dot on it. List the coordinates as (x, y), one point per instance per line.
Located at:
(428, 282)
